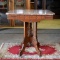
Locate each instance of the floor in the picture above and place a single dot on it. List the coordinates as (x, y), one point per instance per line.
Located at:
(16, 35)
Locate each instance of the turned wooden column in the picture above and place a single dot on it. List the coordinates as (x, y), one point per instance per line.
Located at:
(28, 4)
(11, 4)
(11, 7)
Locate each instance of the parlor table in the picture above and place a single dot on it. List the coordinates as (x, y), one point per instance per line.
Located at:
(30, 19)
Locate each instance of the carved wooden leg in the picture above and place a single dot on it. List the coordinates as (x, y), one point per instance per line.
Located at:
(25, 43)
(26, 38)
(30, 34)
(35, 44)
(34, 40)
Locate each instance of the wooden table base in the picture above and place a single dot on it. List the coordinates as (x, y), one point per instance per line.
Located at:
(30, 37)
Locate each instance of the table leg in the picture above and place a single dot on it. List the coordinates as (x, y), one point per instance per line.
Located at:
(26, 38)
(34, 40)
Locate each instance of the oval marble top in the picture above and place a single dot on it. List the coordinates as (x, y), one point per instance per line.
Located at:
(31, 12)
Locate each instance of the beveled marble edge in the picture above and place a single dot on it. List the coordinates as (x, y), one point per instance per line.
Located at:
(31, 12)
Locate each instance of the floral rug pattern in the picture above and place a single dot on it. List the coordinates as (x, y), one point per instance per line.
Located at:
(11, 51)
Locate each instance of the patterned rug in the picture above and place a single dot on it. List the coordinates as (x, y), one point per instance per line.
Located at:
(10, 51)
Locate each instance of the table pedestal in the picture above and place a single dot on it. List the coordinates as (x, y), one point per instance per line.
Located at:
(30, 37)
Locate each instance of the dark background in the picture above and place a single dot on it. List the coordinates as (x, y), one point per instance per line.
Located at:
(53, 5)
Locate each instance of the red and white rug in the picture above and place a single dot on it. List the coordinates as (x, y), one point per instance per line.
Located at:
(10, 51)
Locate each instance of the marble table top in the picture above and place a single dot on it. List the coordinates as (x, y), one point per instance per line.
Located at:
(30, 12)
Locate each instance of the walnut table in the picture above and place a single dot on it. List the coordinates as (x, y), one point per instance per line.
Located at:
(30, 19)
